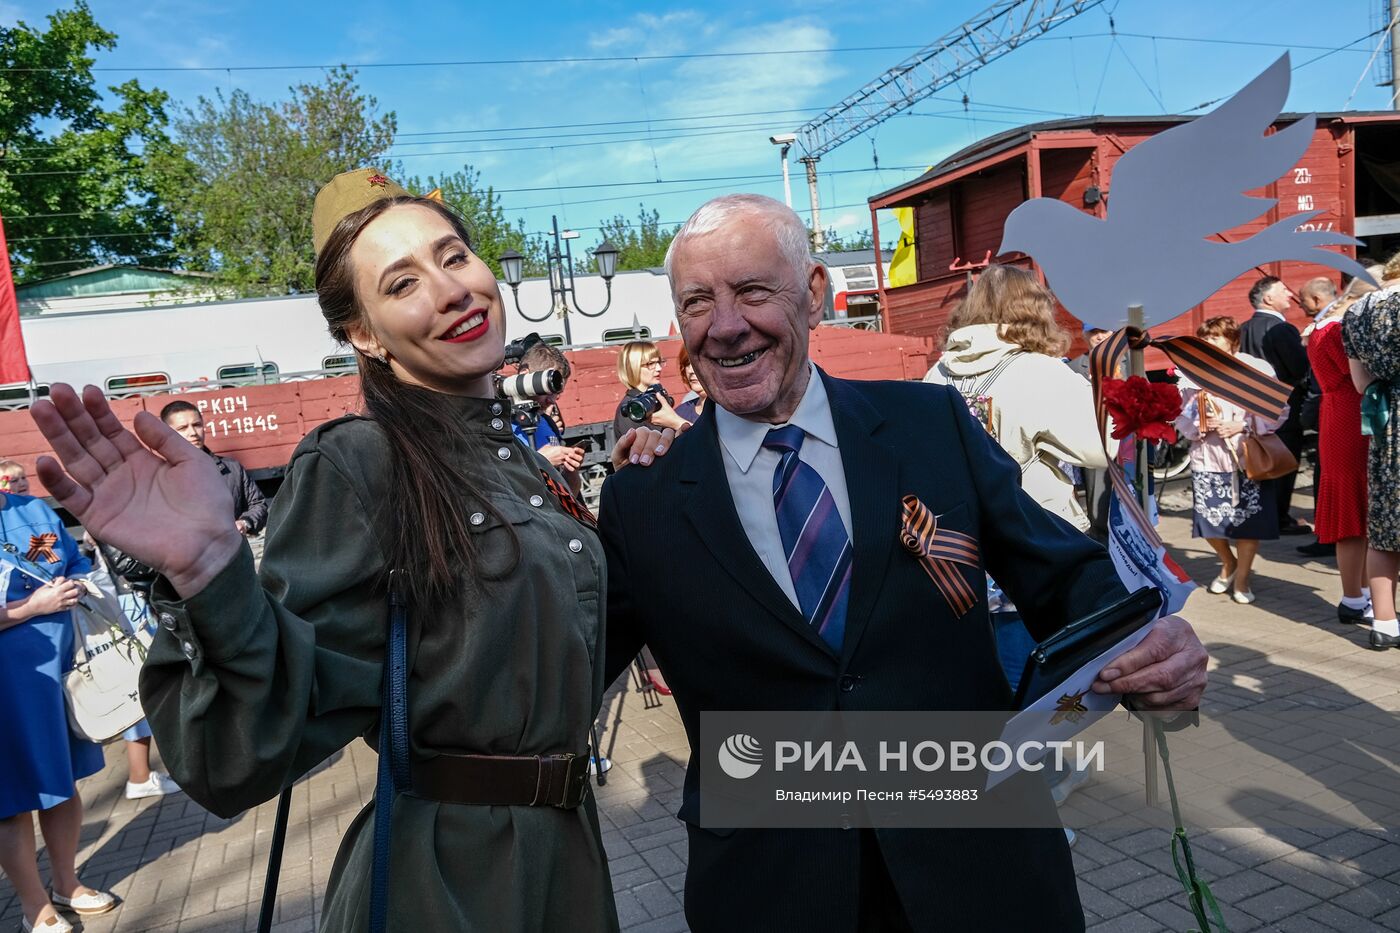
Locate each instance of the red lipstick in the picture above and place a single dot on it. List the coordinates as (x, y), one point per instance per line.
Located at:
(474, 333)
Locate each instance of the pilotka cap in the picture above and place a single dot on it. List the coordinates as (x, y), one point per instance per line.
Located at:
(345, 194)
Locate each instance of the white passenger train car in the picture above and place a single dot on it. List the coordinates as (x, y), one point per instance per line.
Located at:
(264, 339)
(134, 350)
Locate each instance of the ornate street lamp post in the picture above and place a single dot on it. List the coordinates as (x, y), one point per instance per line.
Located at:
(561, 278)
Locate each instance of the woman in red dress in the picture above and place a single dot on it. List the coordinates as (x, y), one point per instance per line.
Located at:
(1342, 448)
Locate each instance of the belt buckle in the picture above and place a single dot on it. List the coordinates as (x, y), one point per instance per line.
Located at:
(575, 780)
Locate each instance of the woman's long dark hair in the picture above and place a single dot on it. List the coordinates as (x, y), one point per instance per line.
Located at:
(429, 536)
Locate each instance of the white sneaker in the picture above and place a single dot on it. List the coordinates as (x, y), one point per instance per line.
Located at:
(1243, 597)
(599, 765)
(157, 785)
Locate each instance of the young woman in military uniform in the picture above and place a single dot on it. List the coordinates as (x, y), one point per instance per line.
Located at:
(253, 682)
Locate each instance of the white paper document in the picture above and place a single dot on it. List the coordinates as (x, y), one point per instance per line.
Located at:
(1061, 713)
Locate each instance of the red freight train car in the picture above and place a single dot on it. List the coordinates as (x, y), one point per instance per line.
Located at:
(1350, 172)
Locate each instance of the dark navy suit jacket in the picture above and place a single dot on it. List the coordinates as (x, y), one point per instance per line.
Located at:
(1278, 343)
(683, 578)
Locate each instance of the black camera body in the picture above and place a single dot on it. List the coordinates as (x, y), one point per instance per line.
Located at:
(516, 349)
(638, 408)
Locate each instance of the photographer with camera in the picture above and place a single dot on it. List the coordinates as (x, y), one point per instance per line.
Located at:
(639, 365)
(534, 398)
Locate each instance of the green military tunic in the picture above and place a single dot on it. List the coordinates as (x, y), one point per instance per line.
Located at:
(249, 686)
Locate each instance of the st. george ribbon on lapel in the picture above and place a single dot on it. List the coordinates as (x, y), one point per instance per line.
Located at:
(937, 550)
(575, 508)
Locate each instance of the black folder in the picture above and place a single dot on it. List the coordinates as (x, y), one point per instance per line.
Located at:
(1075, 645)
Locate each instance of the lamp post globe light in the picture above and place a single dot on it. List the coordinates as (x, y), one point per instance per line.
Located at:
(511, 264)
(562, 294)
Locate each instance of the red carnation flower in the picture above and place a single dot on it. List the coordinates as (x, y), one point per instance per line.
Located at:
(1144, 408)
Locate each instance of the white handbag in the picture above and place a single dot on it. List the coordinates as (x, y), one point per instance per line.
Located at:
(103, 700)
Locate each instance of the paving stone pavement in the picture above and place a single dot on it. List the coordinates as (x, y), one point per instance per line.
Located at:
(179, 868)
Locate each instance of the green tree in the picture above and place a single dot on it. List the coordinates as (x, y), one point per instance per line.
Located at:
(244, 178)
(835, 243)
(640, 245)
(480, 207)
(77, 183)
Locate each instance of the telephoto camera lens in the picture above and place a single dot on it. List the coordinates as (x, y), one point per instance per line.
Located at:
(637, 409)
(527, 386)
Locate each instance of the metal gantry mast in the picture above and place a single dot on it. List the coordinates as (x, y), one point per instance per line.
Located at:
(986, 37)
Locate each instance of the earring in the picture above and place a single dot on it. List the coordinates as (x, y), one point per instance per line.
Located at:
(382, 357)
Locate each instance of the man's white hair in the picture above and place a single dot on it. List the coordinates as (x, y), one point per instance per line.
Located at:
(781, 220)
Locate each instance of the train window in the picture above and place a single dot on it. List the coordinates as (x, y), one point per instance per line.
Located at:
(142, 381)
(344, 361)
(262, 372)
(624, 334)
(12, 394)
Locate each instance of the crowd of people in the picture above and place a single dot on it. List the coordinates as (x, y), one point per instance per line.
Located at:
(1342, 366)
(526, 606)
(1003, 337)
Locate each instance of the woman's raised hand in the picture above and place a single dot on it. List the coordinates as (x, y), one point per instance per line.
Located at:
(159, 498)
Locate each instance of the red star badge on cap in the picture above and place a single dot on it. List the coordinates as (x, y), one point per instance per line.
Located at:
(378, 181)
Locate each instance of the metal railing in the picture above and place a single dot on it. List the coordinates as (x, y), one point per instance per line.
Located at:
(176, 388)
(870, 322)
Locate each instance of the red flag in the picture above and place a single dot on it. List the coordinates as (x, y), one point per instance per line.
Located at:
(14, 366)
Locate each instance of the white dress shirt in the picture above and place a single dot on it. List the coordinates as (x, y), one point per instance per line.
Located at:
(749, 467)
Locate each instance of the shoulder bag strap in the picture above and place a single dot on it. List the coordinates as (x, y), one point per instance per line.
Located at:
(997, 370)
(393, 768)
(393, 747)
(980, 387)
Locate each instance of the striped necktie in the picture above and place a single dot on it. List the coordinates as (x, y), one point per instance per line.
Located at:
(815, 541)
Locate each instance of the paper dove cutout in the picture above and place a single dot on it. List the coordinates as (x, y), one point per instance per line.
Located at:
(1169, 195)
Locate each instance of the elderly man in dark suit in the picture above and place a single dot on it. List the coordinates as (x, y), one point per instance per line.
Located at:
(1268, 336)
(760, 561)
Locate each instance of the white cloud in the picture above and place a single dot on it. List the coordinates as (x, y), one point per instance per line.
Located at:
(648, 34)
(699, 87)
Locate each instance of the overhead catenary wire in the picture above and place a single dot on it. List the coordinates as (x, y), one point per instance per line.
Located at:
(716, 178)
(1370, 61)
(1298, 67)
(613, 59)
(671, 131)
(531, 234)
(686, 133)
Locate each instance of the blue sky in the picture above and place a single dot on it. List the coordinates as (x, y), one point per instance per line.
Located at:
(478, 110)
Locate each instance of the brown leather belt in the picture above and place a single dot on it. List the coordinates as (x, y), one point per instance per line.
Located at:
(502, 780)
